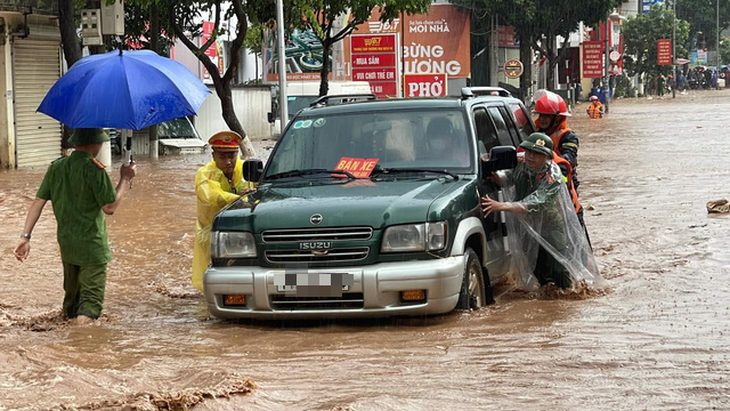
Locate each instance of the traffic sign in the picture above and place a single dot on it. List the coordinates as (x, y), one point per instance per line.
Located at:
(513, 68)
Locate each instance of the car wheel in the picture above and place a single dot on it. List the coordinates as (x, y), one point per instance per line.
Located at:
(476, 291)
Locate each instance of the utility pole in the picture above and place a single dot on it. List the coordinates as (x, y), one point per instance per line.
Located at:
(717, 52)
(674, 48)
(283, 109)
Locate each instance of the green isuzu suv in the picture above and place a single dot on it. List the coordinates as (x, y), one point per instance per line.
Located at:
(370, 208)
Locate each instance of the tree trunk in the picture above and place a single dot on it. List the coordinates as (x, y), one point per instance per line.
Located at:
(526, 78)
(552, 61)
(222, 83)
(229, 116)
(69, 39)
(154, 33)
(71, 50)
(324, 73)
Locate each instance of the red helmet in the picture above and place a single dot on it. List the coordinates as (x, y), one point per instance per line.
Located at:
(593, 98)
(551, 104)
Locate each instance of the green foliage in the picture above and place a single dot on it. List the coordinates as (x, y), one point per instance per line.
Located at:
(137, 28)
(624, 88)
(537, 22)
(254, 37)
(702, 18)
(640, 41)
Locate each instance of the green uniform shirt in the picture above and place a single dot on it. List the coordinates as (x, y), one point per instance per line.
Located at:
(78, 189)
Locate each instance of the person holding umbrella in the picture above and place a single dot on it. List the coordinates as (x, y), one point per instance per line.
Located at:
(217, 184)
(81, 192)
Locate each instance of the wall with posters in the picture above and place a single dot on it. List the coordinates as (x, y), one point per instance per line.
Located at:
(437, 42)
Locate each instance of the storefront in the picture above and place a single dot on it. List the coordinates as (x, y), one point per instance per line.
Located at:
(31, 55)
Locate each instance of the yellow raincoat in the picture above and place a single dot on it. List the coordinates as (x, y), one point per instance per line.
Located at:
(213, 192)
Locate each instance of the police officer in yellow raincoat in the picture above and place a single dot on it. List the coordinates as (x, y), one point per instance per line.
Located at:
(217, 184)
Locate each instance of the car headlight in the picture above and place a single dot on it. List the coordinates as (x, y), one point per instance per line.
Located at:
(232, 245)
(414, 237)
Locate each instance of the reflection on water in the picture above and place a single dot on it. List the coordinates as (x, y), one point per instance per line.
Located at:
(660, 339)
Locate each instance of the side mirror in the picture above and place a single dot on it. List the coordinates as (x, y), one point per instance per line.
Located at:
(271, 117)
(500, 158)
(253, 169)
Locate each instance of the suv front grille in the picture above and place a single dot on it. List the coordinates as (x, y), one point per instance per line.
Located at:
(318, 234)
(317, 256)
(348, 301)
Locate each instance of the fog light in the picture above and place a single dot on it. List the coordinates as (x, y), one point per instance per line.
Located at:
(413, 295)
(234, 299)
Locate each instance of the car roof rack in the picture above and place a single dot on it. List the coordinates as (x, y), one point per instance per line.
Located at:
(341, 99)
(469, 92)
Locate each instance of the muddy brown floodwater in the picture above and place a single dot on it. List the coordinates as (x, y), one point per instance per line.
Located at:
(660, 339)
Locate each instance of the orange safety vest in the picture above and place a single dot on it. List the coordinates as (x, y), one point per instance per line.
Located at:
(557, 136)
(569, 179)
(594, 111)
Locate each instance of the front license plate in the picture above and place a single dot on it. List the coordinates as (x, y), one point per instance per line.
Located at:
(314, 284)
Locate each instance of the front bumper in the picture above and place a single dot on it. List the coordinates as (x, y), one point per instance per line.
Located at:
(376, 290)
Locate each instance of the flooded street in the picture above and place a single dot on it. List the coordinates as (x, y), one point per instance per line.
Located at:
(658, 339)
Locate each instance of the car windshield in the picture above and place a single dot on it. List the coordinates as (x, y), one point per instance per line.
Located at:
(398, 140)
(178, 128)
(296, 103)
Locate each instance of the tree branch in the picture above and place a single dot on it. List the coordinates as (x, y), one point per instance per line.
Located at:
(198, 52)
(346, 31)
(242, 28)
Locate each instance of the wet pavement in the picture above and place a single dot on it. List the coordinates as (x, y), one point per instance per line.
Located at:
(659, 339)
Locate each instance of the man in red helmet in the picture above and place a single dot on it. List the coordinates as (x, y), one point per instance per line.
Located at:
(553, 121)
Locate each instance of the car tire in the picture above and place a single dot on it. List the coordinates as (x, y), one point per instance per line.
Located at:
(476, 290)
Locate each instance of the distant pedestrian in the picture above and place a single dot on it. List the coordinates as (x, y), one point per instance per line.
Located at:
(680, 81)
(660, 85)
(81, 192)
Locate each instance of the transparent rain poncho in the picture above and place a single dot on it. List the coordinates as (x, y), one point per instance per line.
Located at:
(548, 243)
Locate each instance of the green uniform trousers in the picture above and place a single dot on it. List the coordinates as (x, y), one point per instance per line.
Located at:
(84, 286)
(549, 270)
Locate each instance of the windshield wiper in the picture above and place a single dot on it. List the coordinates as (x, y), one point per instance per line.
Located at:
(299, 173)
(413, 170)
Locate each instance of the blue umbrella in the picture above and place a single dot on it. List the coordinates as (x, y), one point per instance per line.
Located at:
(126, 90)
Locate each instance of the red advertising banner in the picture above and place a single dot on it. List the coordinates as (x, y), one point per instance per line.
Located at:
(425, 85)
(207, 32)
(435, 42)
(384, 89)
(664, 52)
(593, 59)
(506, 36)
(383, 43)
(374, 74)
(374, 59)
(380, 60)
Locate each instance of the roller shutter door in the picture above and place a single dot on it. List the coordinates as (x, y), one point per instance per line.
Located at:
(36, 67)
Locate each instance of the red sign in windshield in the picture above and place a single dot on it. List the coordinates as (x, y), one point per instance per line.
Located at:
(359, 167)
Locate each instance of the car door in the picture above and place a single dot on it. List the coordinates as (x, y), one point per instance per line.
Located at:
(522, 121)
(494, 227)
